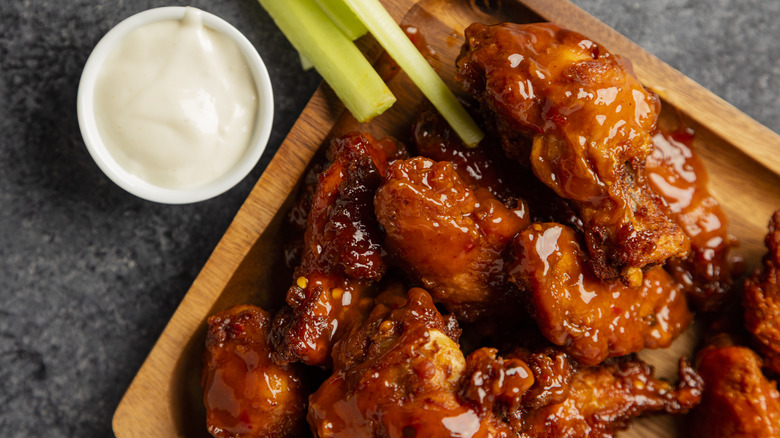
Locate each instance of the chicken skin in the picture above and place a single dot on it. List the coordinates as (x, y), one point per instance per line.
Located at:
(342, 254)
(603, 399)
(247, 395)
(589, 318)
(738, 401)
(761, 299)
(397, 377)
(448, 235)
(494, 385)
(590, 121)
(676, 173)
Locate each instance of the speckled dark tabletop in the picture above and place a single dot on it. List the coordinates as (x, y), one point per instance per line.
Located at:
(89, 274)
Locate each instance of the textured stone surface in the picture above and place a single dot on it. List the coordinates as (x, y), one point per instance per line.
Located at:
(89, 274)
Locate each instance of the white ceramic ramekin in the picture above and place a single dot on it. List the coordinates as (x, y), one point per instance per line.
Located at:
(136, 185)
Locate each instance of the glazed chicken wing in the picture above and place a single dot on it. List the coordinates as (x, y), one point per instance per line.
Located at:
(676, 173)
(589, 318)
(566, 400)
(447, 234)
(591, 121)
(738, 401)
(342, 253)
(761, 299)
(247, 395)
(603, 399)
(397, 377)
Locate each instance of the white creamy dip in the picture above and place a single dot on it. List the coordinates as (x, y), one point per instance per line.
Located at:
(176, 103)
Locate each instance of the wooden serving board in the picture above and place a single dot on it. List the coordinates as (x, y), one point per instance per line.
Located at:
(742, 156)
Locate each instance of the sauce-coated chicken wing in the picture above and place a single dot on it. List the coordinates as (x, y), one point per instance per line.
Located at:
(761, 299)
(590, 120)
(603, 399)
(738, 400)
(589, 318)
(247, 395)
(676, 173)
(567, 400)
(398, 378)
(342, 253)
(448, 235)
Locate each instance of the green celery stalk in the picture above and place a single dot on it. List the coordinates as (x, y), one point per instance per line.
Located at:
(344, 18)
(306, 65)
(333, 54)
(413, 63)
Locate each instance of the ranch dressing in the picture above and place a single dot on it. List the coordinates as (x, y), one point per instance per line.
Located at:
(176, 103)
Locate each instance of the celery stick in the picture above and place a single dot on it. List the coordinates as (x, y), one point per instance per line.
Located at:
(413, 63)
(344, 18)
(334, 56)
(306, 65)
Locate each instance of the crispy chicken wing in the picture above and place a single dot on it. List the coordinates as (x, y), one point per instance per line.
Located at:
(342, 253)
(397, 377)
(676, 173)
(245, 393)
(589, 318)
(449, 235)
(738, 401)
(603, 399)
(590, 120)
(563, 399)
(341, 232)
(761, 299)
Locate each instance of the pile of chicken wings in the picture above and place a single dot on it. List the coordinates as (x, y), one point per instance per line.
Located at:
(503, 290)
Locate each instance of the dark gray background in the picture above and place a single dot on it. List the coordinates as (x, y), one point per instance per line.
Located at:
(89, 274)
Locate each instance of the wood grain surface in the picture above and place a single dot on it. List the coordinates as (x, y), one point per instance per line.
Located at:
(164, 400)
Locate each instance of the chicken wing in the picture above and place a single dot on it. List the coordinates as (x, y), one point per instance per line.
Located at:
(676, 173)
(247, 395)
(603, 399)
(589, 318)
(448, 235)
(738, 400)
(397, 377)
(590, 120)
(761, 299)
(342, 253)
(567, 400)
